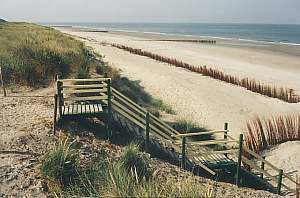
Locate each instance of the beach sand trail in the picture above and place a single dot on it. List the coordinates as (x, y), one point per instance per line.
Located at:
(207, 101)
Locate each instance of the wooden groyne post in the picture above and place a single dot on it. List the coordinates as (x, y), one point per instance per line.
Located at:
(2, 82)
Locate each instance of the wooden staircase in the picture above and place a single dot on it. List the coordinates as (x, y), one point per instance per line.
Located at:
(230, 155)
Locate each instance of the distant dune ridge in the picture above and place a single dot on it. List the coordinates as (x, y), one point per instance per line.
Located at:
(2, 20)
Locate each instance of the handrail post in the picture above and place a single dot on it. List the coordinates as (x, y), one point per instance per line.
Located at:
(239, 163)
(262, 166)
(183, 152)
(2, 82)
(109, 112)
(297, 187)
(59, 95)
(147, 131)
(225, 135)
(55, 113)
(279, 181)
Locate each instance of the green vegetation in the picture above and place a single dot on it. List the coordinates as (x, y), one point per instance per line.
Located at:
(33, 55)
(60, 163)
(105, 178)
(188, 126)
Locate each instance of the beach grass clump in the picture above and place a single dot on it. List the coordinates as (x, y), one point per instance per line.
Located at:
(133, 160)
(160, 105)
(284, 94)
(33, 55)
(111, 178)
(188, 126)
(61, 163)
(264, 132)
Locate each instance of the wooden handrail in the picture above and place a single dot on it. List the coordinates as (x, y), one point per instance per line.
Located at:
(84, 80)
(142, 113)
(254, 166)
(219, 152)
(199, 133)
(208, 142)
(128, 100)
(167, 127)
(261, 158)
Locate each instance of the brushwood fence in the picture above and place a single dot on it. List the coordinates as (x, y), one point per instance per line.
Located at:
(284, 94)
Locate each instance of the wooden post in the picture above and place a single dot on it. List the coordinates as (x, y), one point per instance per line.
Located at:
(225, 135)
(297, 186)
(239, 163)
(147, 131)
(279, 182)
(59, 96)
(109, 112)
(55, 113)
(262, 166)
(291, 95)
(2, 82)
(183, 152)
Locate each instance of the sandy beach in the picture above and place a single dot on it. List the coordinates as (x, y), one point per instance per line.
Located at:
(204, 100)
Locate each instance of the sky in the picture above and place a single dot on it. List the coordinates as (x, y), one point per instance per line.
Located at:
(211, 11)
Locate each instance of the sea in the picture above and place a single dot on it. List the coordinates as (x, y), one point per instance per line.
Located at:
(284, 34)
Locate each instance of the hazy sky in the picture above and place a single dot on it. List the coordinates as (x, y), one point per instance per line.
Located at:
(244, 11)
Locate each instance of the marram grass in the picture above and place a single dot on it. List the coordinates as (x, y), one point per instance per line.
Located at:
(33, 55)
(117, 179)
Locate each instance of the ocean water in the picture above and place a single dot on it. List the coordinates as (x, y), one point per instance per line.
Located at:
(273, 33)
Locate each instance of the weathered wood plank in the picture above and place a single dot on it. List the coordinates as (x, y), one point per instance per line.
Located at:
(198, 133)
(73, 91)
(142, 113)
(82, 86)
(84, 80)
(88, 98)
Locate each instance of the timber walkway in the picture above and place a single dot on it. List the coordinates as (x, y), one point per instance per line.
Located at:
(213, 156)
(224, 155)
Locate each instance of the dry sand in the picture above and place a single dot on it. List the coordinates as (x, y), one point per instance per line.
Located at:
(202, 99)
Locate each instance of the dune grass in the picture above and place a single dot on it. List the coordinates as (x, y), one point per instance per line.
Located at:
(188, 126)
(281, 93)
(33, 55)
(264, 132)
(61, 163)
(105, 178)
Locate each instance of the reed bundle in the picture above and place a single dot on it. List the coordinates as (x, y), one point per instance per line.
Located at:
(264, 132)
(284, 94)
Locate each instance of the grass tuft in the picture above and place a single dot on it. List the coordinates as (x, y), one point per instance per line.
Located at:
(188, 126)
(133, 160)
(60, 164)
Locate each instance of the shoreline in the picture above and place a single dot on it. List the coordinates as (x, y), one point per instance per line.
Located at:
(178, 35)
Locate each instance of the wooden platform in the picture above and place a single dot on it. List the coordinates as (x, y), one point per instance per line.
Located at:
(82, 109)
